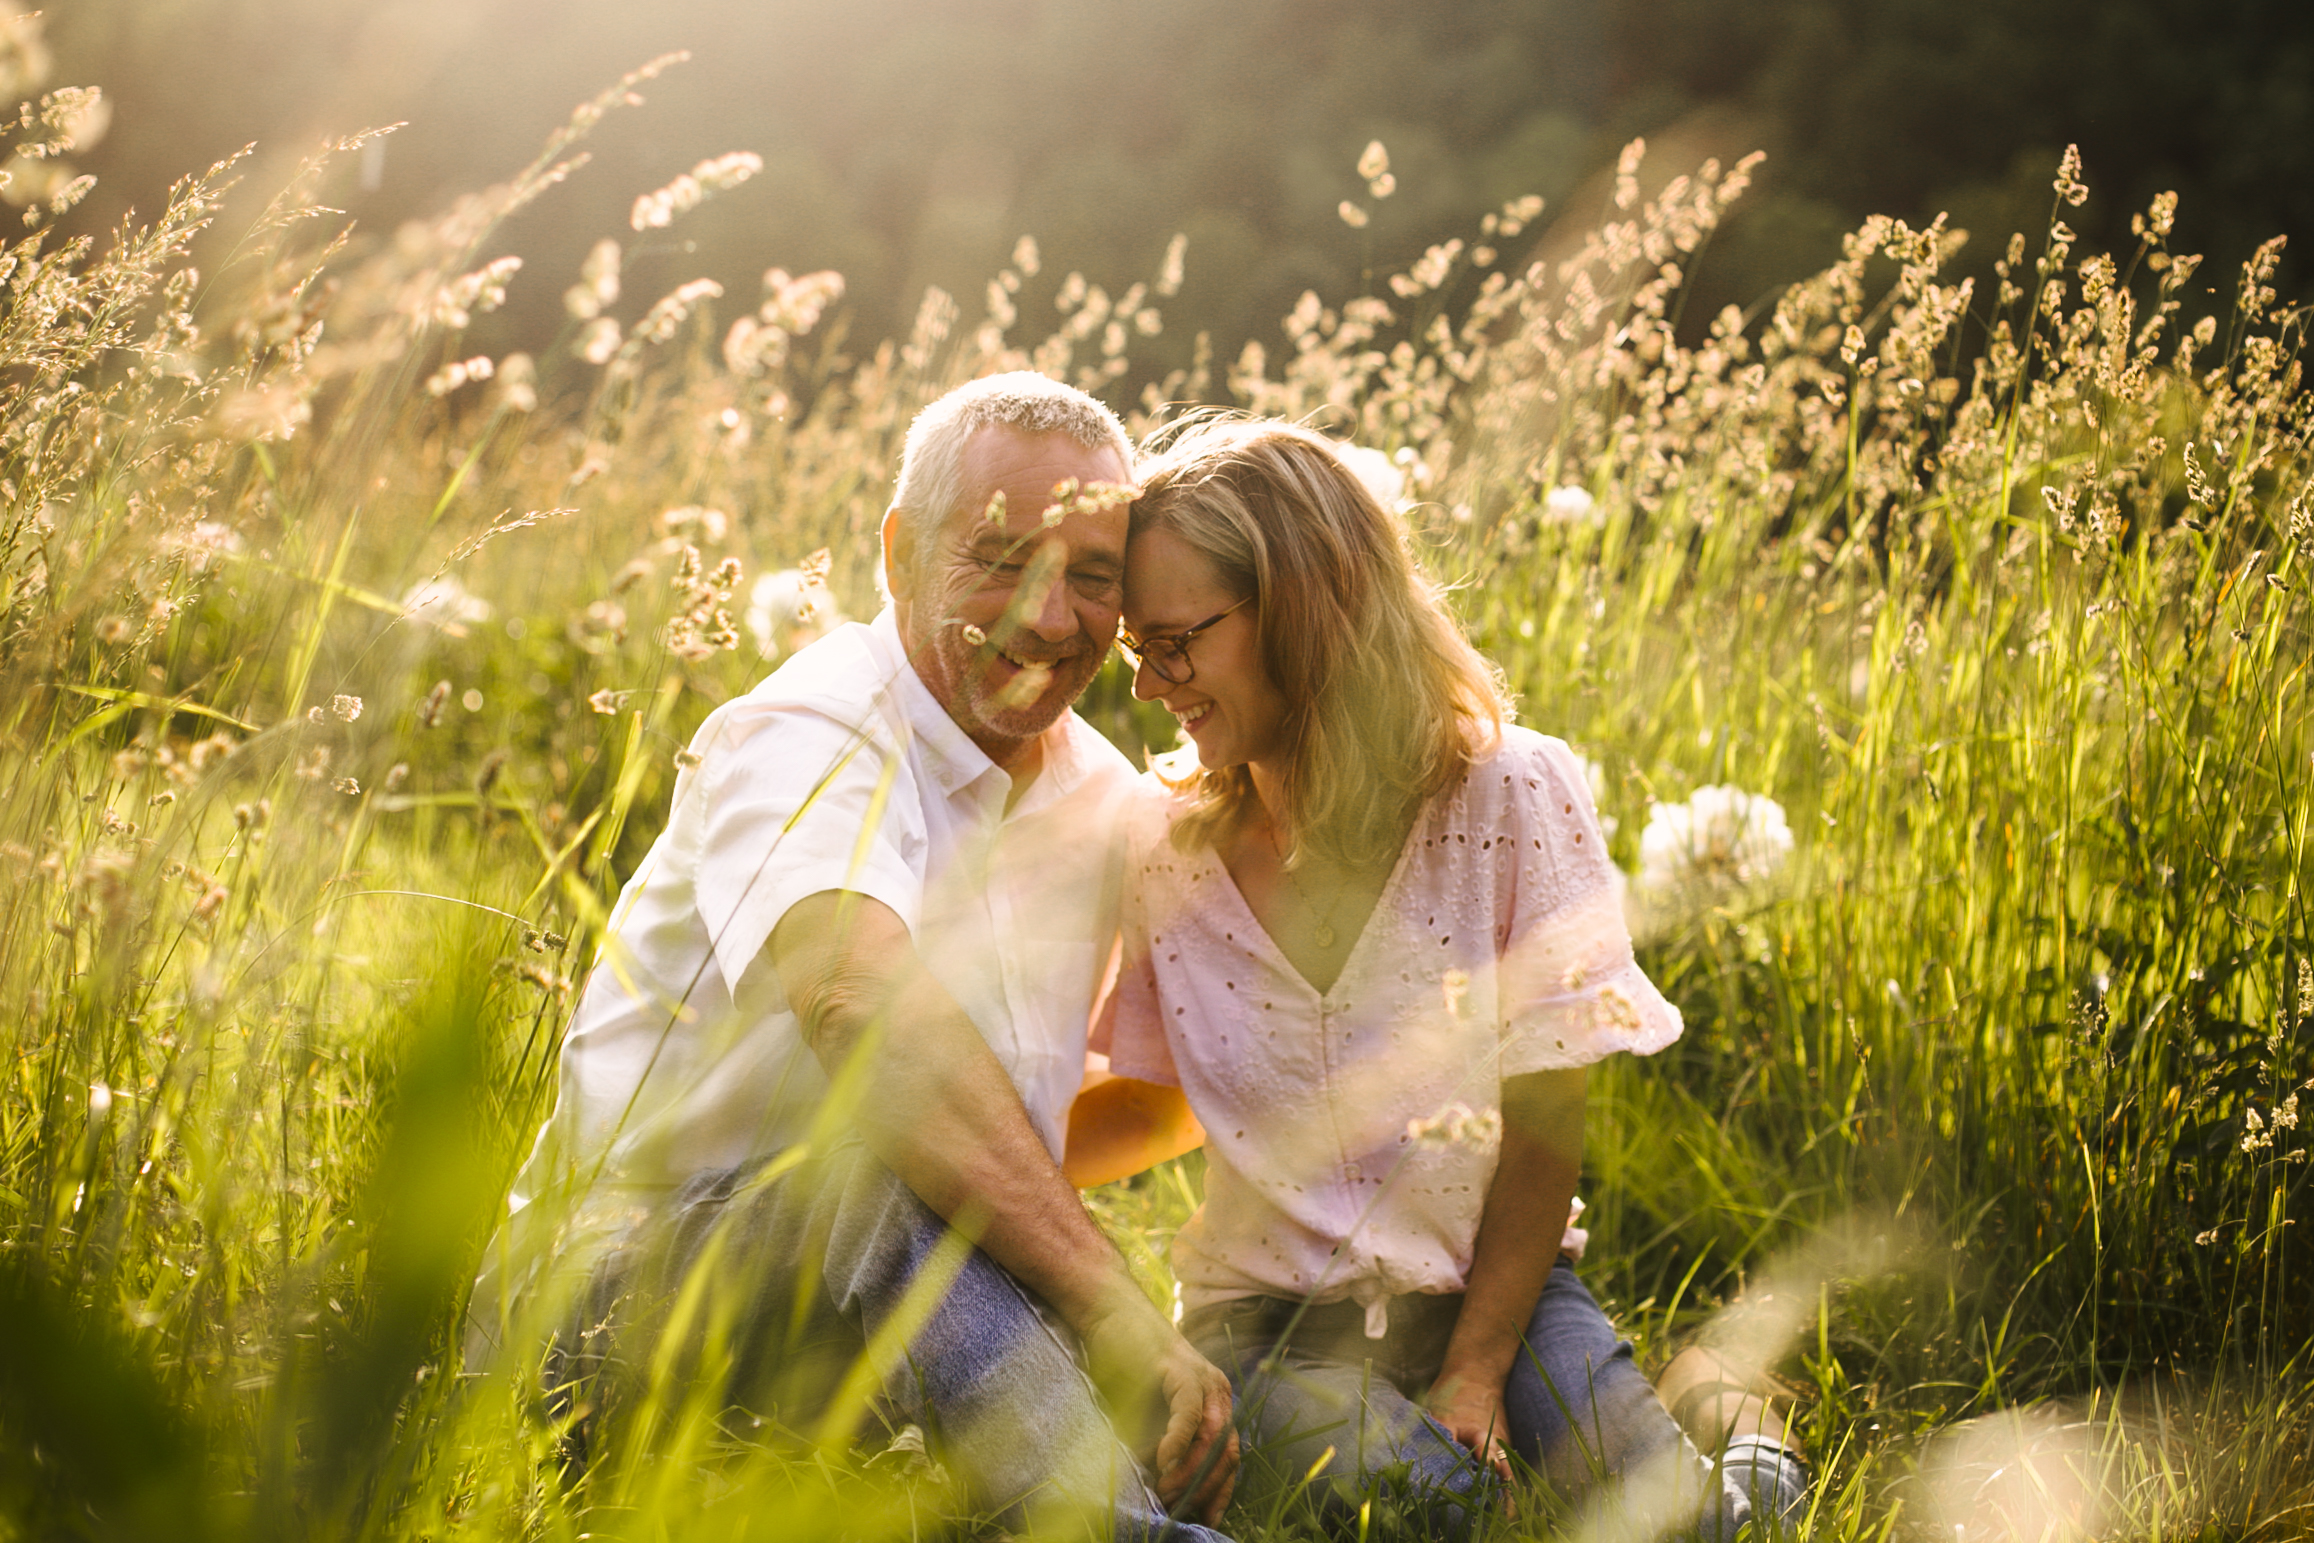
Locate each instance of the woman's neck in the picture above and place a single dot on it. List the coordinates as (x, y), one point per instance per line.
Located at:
(1269, 790)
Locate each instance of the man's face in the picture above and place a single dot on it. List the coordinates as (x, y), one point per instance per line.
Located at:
(1008, 619)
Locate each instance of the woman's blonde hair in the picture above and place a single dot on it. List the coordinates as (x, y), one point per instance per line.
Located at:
(1388, 702)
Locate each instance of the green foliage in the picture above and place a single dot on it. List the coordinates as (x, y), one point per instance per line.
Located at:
(343, 681)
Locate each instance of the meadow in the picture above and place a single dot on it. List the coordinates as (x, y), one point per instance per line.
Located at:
(344, 673)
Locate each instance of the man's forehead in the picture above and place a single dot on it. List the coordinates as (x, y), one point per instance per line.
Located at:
(1027, 469)
(1032, 464)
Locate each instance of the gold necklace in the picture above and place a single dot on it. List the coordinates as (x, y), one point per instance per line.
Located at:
(1323, 931)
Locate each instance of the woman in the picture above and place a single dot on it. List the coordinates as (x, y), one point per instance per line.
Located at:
(1372, 937)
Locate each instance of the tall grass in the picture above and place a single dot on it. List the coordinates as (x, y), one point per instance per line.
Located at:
(345, 673)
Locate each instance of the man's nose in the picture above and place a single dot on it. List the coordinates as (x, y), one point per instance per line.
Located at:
(1045, 608)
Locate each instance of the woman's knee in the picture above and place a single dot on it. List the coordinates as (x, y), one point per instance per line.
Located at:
(1578, 1406)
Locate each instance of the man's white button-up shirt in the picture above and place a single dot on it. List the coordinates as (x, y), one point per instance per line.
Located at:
(840, 771)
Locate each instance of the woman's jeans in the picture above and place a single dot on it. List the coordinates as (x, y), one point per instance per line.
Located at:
(1323, 1406)
(777, 1287)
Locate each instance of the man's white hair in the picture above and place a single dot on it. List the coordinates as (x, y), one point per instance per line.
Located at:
(931, 464)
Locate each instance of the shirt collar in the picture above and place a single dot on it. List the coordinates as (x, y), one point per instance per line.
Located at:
(952, 759)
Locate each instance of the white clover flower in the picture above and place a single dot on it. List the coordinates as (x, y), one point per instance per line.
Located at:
(788, 609)
(1572, 505)
(1720, 844)
(1383, 477)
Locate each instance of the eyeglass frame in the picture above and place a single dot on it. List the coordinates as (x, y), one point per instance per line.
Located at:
(1176, 643)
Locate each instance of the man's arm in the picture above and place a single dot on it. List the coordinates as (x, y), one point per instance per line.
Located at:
(1519, 1233)
(939, 1111)
(1120, 1125)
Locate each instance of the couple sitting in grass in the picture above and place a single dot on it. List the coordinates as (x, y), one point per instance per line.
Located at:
(1370, 942)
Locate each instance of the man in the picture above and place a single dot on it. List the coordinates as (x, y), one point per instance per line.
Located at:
(843, 1002)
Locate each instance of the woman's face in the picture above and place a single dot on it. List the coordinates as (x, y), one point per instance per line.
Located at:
(1230, 707)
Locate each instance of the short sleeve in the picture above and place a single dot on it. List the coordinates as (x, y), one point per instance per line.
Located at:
(1129, 1025)
(797, 804)
(1571, 992)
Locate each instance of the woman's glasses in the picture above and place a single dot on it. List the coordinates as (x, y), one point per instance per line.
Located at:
(1168, 656)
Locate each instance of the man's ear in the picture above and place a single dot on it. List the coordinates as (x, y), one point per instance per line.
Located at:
(899, 556)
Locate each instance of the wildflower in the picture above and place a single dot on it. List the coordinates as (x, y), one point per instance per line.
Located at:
(1374, 162)
(1169, 272)
(608, 702)
(1627, 173)
(656, 210)
(601, 627)
(315, 766)
(2069, 185)
(1722, 841)
(597, 341)
(348, 708)
(712, 524)
(275, 410)
(346, 785)
(795, 305)
(518, 383)
(451, 376)
(1025, 256)
(1381, 476)
(1456, 1125)
(552, 983)
(666, 318)
(430, 710)
(788, 609)
(1573, 505)
(1352, 215)
(598, 284)
(205, 542)
(2255, 1135)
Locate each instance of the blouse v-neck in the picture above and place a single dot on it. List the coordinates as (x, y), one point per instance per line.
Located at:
(1278, 955)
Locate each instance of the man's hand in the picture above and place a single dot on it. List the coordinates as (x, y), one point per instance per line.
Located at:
(1143, 1364)
(940, 1112)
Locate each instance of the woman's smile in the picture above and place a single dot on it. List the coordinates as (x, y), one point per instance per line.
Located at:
(1229, 707)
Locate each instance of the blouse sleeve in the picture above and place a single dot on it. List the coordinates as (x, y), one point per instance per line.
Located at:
(1571, 992)
(1129, 1025)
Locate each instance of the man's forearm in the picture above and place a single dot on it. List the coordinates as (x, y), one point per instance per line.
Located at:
(939, 1111)
(934, 1104)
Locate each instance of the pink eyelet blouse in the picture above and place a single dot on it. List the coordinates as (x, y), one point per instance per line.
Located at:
(1352, 1134)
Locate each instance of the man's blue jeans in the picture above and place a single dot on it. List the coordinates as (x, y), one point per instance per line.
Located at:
(801, 1272)
(1580, 1414)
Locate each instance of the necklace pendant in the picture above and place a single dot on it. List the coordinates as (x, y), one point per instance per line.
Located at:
(1325, 934)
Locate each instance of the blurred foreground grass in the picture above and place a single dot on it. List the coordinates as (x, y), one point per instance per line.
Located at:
(342, 677)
